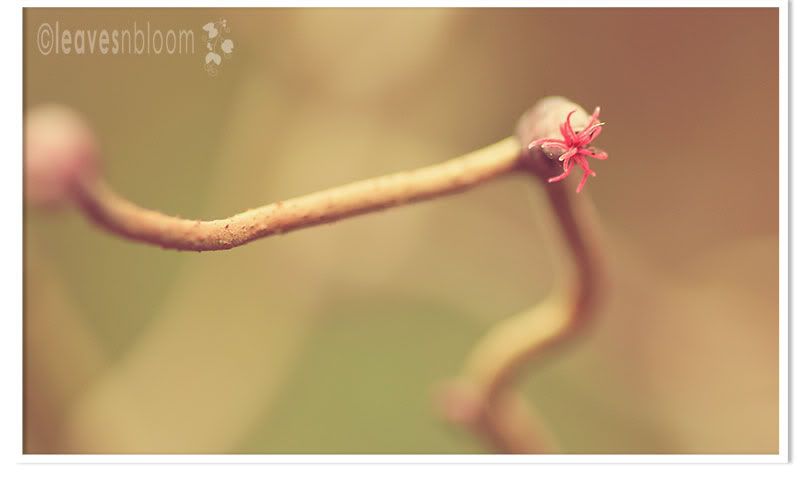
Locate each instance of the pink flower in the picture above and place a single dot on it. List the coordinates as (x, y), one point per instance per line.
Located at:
(574, 147)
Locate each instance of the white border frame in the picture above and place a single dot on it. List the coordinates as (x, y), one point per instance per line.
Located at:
(12, 254)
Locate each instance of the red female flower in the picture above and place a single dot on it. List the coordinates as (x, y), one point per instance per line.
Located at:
(574, 147)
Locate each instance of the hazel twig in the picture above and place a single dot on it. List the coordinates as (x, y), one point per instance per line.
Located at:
(122, 217)
(61, 164)
(480, 398)
(481, 394)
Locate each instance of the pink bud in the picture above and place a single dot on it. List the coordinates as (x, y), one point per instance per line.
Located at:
(540, 128)
(59, 151)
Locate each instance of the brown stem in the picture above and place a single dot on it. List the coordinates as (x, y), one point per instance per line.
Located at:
(520, 339)
(124, 218)
(483, 398)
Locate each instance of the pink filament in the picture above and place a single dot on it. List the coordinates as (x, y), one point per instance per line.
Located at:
(576, 147)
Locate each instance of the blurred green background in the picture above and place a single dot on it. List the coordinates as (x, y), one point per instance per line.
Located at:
(333, 339)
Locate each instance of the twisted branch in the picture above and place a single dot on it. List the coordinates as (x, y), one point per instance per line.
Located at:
(60, 160)
(483, 398)
(122, 217)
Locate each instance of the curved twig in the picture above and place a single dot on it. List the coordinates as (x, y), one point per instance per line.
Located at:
(483, 398)
(480, 398)
(122, 217)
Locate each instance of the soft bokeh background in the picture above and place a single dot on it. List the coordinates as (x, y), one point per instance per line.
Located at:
(332, 339)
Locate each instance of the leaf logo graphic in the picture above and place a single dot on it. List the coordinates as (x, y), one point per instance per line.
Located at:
(217, 45)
